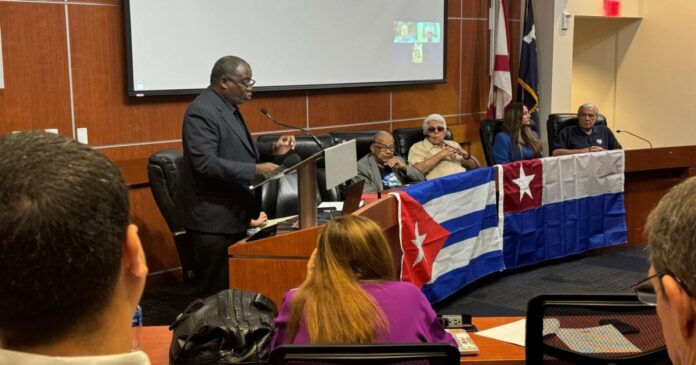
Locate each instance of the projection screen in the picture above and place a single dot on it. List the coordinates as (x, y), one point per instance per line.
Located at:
(290, 44)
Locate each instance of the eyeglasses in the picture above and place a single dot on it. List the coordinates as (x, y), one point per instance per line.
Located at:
(383, 147)
(246, 83)
(436, 129)
(588, 116)
(645, 290)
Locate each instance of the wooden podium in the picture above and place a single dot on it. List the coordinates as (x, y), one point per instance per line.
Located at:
(274, 265)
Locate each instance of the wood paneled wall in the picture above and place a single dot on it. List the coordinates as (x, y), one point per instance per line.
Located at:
(65, 68)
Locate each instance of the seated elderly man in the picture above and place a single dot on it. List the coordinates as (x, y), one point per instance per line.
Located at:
(381, 169)
(671, 232)
(436, 157)
(73, 268)
(586, 136)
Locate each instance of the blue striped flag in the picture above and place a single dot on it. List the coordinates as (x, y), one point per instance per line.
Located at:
(450, 232)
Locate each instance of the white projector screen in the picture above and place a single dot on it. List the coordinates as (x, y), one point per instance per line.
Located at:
(290, 44)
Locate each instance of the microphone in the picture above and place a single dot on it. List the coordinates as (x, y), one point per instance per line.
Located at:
(268, 115)
(276, 173)
(634, 135)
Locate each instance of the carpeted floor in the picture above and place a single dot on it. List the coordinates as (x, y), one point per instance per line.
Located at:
(501, 294)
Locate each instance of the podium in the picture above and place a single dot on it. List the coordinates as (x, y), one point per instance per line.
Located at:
(343, 162)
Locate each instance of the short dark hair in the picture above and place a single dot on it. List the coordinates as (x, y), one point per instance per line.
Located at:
(63, 219)
(226, 66)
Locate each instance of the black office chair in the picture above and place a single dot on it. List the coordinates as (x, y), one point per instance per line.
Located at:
(551, 319)
(404, 138)
(488, 129)
(363, 140)
(376, 354)
(163, 172)
(556, 122)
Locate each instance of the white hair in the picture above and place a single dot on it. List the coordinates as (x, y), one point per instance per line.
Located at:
(434, 117)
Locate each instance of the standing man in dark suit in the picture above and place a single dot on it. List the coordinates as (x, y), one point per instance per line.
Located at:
(214, 201)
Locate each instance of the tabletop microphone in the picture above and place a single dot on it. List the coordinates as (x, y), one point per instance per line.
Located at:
(634, 135)
(268, 115)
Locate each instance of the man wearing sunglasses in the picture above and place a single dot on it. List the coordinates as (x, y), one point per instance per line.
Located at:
(381, 169)
(436, 157)
(214, 201)
(671, 232)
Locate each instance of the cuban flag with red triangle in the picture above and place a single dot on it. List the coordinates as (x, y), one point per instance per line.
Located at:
(559, 206)
(450, 232)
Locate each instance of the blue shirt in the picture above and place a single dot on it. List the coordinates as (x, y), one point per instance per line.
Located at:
(505, 151)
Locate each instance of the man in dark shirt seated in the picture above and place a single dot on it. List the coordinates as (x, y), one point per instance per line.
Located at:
(586, 136)
(381, 169)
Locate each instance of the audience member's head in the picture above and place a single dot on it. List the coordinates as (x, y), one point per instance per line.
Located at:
(435, 128)
(382, 146)
(671, 231)
(73, 269)
(517, 122)
(587, 116)
(350, 250)
(231, 78)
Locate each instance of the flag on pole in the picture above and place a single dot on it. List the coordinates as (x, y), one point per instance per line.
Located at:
(450, 232)
(528, 80)
(500, 93)
(559, 206)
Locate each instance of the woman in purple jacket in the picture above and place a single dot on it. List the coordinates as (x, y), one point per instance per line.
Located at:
(351, 295)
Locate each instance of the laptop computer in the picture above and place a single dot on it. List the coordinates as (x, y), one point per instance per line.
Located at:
(351, 202)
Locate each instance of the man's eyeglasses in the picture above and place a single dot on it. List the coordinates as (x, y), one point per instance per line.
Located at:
(384, 147)
(587, 116)
(436, 129)
(645, 290)
(246, 83)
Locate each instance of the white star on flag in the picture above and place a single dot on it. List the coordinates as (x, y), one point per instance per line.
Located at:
(523, 183)
(418, 242)
(531, 36)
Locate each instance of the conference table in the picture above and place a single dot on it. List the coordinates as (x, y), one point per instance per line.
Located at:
(155, 340)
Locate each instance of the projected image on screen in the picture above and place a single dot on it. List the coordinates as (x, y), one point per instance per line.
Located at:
(428, 32)
(404, 32)
(417, 42)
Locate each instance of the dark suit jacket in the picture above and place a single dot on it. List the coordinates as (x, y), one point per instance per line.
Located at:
(219, 163)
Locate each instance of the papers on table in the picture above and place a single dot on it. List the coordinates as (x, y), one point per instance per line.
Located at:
(512, 332)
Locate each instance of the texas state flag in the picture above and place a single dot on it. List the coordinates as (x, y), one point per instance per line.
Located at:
(450, 233)
(558, 206)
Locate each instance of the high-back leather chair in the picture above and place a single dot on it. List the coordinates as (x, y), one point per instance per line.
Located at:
(488, 129)
(363, 140)
(404, 138)
(558, 324)
(279, 197)
(557, 121)
(163, 172)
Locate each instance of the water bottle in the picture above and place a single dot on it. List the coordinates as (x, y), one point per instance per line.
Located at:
(137, 324)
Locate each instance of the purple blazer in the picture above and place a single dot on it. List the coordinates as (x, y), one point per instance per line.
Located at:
(410, 316)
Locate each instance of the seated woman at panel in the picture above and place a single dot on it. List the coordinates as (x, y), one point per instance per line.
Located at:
(517, 141)
(351, 296)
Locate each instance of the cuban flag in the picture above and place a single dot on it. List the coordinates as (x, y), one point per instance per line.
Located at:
(558, 206)
(450, 232)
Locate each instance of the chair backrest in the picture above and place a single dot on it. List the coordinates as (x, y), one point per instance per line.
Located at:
(487, 131)
(404, 138)
(163, 173)
(377, 354)
(593, 329)
(557, 121)
(363, 140)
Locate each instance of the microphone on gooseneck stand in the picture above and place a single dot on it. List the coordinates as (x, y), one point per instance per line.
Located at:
(268, 115)
(634, 135)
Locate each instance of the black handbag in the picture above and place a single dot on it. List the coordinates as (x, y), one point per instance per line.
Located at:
(231, 327)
